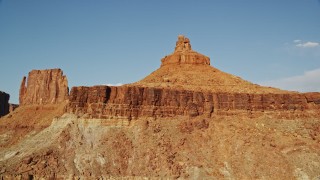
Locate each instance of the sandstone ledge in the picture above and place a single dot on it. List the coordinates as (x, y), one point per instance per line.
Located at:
(134, 102)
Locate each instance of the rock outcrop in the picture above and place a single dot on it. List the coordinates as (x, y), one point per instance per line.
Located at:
(134, 102)
(44, 87)
(4, 103)
(183, 54)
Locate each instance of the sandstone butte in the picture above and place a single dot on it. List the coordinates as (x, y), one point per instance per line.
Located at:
(186, 120)
(44, 87)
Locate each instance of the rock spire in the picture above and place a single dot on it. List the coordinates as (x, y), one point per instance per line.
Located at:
(183, 54)
(183, 44)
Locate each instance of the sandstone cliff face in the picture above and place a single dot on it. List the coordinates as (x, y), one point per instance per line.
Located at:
(183, 54)
(44, 87)
(4, 103)
(134, 102)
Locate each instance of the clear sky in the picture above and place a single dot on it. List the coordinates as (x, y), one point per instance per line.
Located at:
(270, 42)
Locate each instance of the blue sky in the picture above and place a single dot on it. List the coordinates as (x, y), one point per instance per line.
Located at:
(274, 42)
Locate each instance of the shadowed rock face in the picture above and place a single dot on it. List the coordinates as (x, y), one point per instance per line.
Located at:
(44, 87)
(4, 103)
(183, 54)
(134, 102)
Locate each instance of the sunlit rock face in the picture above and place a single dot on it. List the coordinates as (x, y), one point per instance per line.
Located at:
(48, 86)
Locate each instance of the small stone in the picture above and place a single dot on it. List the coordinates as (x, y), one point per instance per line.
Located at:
(28, 160)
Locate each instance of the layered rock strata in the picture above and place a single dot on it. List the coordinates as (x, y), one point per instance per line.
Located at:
(4, 103)
(183, 54)
(44, 87)
(134, 102)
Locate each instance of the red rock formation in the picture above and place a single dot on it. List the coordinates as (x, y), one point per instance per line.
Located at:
(183, 54)
(44, 87)
(134, 102)
(4, 103)
(186, 85)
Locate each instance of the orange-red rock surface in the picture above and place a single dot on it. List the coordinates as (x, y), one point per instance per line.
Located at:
(44, 87)
(4, 103)
(135, 102)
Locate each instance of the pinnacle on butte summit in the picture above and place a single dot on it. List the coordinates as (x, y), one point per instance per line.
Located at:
(183, 54)
(183, 44)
